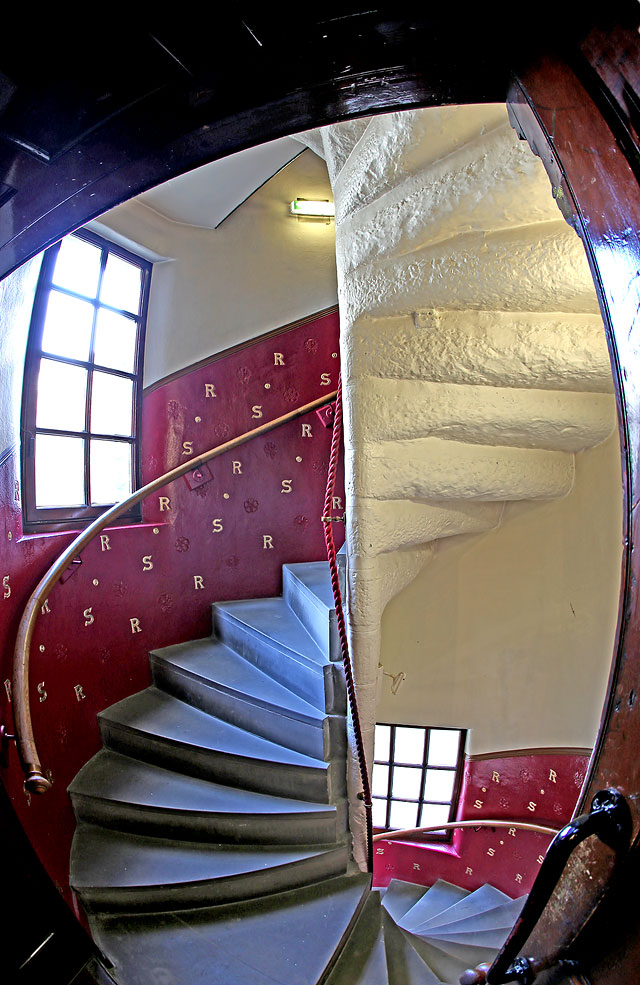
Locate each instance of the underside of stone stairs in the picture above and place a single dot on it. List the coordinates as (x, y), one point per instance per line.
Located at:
(474, 361)
(212, 843)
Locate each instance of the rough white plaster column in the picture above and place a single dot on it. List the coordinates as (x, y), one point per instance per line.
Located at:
(473, 357)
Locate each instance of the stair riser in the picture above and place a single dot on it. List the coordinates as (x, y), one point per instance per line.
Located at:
(404, 963)
(481, 937)
(364, 959)
(318, 621)
(503, 918)
(215, 892)
(276, 829)
(318, 785)
(321, 686)
(243, 711)
(450, 960)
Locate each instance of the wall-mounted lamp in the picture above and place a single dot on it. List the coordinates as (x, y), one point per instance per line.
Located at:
(308, 209)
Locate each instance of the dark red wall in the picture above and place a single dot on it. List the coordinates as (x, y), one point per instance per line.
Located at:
(165, 572)
(535, 786)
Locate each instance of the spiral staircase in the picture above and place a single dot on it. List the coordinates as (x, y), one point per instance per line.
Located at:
(212, 842)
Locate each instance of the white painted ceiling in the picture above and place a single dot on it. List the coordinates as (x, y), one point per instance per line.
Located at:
(206, 196)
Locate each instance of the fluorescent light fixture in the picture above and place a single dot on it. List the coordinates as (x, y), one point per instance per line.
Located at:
(305, 207)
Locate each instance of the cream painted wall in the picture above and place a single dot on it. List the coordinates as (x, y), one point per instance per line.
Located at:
(510, 633)
(259, 270)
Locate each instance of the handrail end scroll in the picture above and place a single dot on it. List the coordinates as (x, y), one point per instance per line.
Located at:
(35, 780)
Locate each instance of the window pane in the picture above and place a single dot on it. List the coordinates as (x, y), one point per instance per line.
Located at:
(111, 404)
(78, 266)
(439, 785)
(379, 812)
(67, 327)
(110, 471)
(409, 746)
(443, 747)
(433, 814)
(406, 782)
(115, 342)
(121, 284)
(403, 815)
(381, 743)
(62, 391)
(380, 780)
(59, 471)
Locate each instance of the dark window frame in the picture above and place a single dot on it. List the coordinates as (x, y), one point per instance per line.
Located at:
(60, 518)
(391, 762)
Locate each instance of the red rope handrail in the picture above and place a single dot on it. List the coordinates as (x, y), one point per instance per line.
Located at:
(342, 630)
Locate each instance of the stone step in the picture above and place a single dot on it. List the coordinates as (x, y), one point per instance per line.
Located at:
(477, 271)
(486, 897)
(363, 961)
(269, 635)
(210, 676)
(449, 961)
(521, 349)
(260, 941)
(338, 143)
(124, 871)
(498, 917)
(308, 593)
(560, 420)
(401, 524)
(400, 896)
(427, 469)
(403, 962)
(438, 898)
(387, 155)
(158, 728)
(490, 183)
(481, 937)
(129, 794)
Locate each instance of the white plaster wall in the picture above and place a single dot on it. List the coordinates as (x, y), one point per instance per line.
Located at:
(16, 301)
(262, 268)
(511, 633)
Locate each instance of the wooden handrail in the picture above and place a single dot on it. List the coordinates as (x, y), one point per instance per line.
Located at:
(482, 823)
(35, 779)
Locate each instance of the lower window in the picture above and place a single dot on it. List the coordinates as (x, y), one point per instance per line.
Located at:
(417, 775)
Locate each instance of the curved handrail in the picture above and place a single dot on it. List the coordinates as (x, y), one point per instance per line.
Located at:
(610, 820)
(482, 823)
(36, 781)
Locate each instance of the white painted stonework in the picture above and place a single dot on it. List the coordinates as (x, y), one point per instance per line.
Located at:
(473, 355)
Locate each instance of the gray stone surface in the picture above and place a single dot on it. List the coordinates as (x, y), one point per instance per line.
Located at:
(441, 896)
(211, 847)
(138, 796)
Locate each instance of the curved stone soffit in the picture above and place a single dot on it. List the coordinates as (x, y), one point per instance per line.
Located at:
(474, 360)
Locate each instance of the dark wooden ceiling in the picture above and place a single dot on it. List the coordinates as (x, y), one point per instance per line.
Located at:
(90, 117)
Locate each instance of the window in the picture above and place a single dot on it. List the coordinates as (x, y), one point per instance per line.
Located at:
(417, 774)
(83, 382)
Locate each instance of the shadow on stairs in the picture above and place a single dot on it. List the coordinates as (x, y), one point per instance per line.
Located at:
(212, 845)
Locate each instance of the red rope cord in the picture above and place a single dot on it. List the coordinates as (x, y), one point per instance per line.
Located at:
(342, 629)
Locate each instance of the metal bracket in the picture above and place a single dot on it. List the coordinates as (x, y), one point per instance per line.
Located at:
(5, 739)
